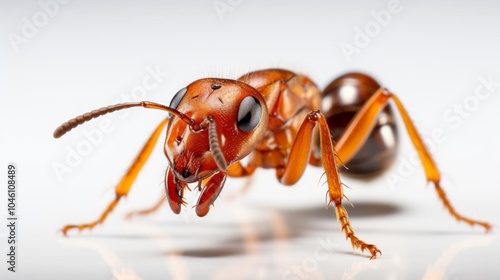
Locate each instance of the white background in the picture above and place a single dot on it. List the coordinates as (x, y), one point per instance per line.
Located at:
(90, 54)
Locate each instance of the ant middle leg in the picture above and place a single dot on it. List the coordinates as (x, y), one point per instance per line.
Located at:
(300, 155)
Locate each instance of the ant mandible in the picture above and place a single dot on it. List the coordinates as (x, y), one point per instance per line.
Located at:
(273, 117)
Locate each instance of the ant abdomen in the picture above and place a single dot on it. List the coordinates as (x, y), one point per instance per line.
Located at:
(342, 99)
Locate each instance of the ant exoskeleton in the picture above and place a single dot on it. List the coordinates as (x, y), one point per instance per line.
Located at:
(273, 117)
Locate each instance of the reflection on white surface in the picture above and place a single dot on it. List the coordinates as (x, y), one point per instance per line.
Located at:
(357, 267)
(109, 257)
(176, 265)
(438, 269)
(245, 242)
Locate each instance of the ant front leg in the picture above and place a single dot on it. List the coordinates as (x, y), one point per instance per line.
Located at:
(149, 210)
(238, 170)
(126, 183)
(297, 162)
(361, 126)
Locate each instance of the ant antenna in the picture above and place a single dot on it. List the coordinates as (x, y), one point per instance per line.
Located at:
(215, 147)
(74, 122)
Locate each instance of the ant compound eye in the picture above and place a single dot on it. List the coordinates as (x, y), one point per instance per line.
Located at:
(177, 98)
(249, 113)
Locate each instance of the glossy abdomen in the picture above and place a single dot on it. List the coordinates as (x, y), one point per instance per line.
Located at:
(342, 99)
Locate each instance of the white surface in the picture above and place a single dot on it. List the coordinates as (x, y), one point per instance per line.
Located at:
(90, 54)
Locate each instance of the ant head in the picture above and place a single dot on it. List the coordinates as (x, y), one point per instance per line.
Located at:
(213, 123)
(229, 118)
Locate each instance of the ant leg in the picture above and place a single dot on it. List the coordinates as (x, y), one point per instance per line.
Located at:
(297, 161)
(361, 126)
(238, 170)
(126, 183)
(147, 211)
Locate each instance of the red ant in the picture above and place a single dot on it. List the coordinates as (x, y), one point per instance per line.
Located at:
(273, 117)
